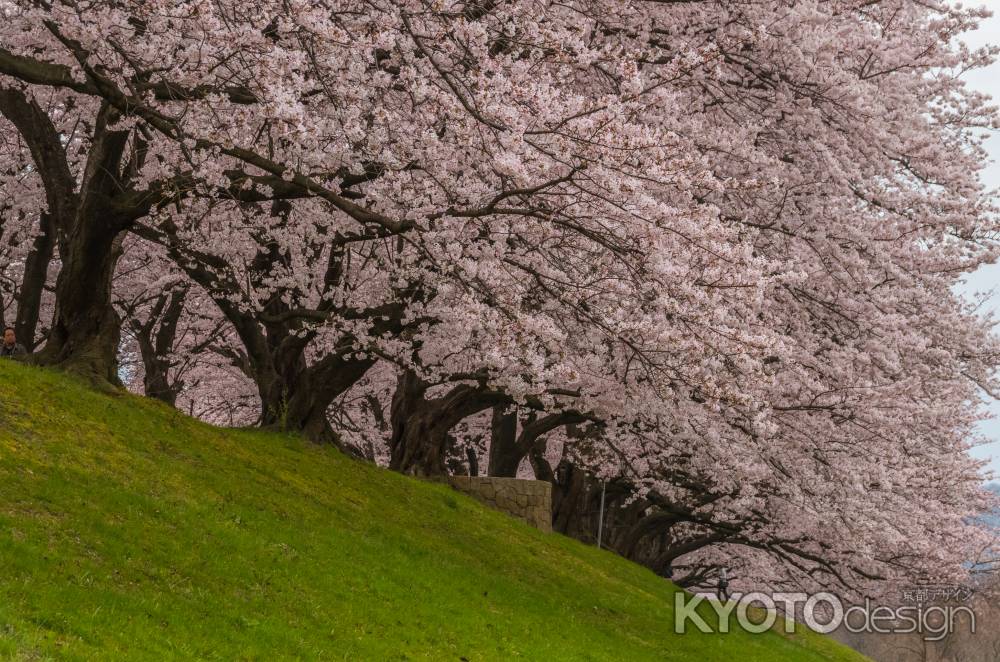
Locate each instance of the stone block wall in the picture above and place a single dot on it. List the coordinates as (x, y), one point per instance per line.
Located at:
(529, 500)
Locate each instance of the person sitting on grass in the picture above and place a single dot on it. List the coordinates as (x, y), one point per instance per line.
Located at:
(10, 346)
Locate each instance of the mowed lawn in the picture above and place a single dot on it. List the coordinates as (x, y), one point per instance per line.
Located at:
(130, 531)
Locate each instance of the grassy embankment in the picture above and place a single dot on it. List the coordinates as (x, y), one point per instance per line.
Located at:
(129, 531)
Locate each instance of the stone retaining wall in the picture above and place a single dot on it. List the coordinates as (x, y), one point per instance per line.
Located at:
(529, 500)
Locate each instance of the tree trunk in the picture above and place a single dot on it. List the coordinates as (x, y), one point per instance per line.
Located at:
(86, 330)
(156, 383)
(62, 200)
(571, 503)
(416, 446)
(297, 397)
(294, 395)
(156, 338)
(508, 449)
(505, 456)
(420, 427)
(473, 460)
(36, 269)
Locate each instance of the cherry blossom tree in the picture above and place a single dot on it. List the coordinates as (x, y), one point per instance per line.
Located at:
(26, 230)
(703, 251)
(170, 327)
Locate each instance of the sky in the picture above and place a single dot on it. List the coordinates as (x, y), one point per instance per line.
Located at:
(988, 278)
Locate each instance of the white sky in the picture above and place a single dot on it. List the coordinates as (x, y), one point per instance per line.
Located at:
(988, 278)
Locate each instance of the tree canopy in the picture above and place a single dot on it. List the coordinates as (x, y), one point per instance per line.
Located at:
(703, 250)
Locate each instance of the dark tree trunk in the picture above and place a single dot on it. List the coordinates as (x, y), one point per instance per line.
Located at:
(156, 383)
(634, 536)
(299, 400)
(508, 449)
(473, 460)
(575, 495)
(36, 269)
(420, 426)
(505, 456)
(641, 530)
(155, 338)
(61, 197)
(416, 445)
(86, 329)
(294, 394)
(572, 495)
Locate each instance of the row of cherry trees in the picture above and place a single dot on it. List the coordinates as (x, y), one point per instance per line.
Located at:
(702, 251)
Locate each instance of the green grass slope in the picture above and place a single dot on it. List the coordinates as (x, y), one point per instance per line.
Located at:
(129, 531)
